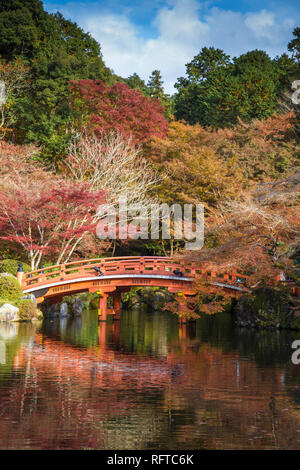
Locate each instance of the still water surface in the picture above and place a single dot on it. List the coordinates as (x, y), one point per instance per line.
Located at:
(145, 383)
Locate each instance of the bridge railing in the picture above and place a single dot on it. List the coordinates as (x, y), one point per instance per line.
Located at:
(134, 265)
(107, 266)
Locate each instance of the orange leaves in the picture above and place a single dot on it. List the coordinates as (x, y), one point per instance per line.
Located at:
(183, 307)
(264, 149)
(275, 127)
(193, 172)
(257, 235)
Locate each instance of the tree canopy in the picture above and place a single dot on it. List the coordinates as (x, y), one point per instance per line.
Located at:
(56, 50)
(118, 108)
(218, 91)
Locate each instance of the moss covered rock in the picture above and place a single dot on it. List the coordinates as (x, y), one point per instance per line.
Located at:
(11, 266)
(28, 310)
(9, 313)
(147, 298)
(10, 289)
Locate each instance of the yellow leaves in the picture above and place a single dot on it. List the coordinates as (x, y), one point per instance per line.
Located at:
(193, 172)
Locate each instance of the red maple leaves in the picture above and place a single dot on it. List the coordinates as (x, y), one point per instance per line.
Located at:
(119, 108)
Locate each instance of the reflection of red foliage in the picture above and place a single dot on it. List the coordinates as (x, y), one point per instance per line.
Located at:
(62, 399)
(119, 108)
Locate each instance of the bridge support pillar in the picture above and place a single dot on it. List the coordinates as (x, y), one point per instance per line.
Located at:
(116, 332)
(102, 310)
(117, 304)
(182, 331)
(102, 336)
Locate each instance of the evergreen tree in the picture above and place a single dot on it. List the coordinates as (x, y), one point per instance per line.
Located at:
(156, 91)
(208, 61)
(294, 45)
(217, 91)
(56, 50)
(135, 82)
(155, 85)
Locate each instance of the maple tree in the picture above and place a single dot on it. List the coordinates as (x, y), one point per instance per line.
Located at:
(264, 149)
(113, 163)
(47, 220)
(255, 237)
(41, 211)
(16, 158)
(118, 108)
(192, 171)
(130, 148)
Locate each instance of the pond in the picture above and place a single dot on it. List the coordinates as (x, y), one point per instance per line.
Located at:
(144, 382)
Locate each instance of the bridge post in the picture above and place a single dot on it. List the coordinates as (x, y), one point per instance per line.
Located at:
(20, 274)
(117, 304)
(102, 310)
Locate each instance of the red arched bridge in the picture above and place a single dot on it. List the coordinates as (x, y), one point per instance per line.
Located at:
(113, 276)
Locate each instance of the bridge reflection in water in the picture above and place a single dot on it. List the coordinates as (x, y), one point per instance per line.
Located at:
(145, 382)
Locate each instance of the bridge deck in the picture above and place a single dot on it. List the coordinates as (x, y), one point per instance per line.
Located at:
(112, 276)
(107, 274)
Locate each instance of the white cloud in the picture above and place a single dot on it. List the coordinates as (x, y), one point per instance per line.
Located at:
(182, 30)
(120, 44)
(261, 23)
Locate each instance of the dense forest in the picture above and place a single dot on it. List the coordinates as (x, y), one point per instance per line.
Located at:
(73, 134)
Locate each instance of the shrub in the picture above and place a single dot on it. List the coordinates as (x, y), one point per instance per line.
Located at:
(11, 266)
(27, 309)
(10, 289)
(3, 301)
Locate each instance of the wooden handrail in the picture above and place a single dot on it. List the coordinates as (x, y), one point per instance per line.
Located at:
(158, 265)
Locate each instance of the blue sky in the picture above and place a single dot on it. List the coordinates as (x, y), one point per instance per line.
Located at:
(143, 35)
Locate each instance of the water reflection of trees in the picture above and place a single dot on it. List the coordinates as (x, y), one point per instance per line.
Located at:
(12, 335)
(147, 384)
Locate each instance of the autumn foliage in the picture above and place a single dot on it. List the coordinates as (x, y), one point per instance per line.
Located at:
(40, 211)
(118, 108)
(256, 237)
(264, 149)
(96, 136)
(192, 170)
